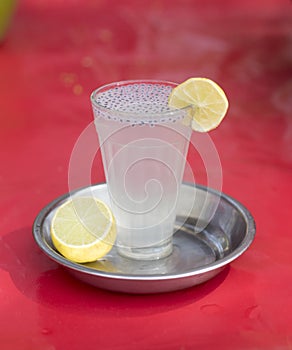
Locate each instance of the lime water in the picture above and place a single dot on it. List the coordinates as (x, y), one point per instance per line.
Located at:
(144, 145)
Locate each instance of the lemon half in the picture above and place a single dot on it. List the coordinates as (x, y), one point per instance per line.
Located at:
(83, 229)
(208, 99)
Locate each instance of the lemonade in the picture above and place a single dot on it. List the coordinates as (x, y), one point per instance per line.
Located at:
(144, 143)
(144, 129)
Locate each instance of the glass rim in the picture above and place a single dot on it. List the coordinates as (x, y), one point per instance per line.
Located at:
(106, 87)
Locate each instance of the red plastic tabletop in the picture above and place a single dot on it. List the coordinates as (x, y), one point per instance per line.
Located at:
(55, 53)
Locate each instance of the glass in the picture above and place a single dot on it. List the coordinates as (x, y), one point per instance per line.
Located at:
(144, 144)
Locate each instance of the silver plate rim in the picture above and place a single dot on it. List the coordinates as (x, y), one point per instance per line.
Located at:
(217, 265)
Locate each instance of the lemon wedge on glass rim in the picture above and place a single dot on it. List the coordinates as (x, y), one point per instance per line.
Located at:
(208, 99)
(83, 229)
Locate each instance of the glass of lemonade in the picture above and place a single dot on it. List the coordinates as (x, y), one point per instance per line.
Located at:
(144, 144)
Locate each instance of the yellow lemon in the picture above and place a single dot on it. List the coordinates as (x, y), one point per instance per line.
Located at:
(208, 100)
(83, 229)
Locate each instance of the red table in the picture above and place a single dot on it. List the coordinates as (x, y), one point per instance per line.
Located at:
(54, 55)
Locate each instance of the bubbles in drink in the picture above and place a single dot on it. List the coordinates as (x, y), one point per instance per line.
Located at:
(137, 104)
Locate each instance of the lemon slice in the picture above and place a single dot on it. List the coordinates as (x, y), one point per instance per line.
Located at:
(83, 229)
(208, 99)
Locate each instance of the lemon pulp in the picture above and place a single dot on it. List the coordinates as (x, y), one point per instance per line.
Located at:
(208, 99)
(83, 229)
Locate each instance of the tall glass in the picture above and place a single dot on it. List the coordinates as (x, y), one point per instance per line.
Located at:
(144, 145)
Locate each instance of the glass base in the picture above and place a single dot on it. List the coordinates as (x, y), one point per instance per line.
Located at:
(147, 253)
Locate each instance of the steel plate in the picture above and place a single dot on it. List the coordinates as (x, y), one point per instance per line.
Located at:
(212, 230)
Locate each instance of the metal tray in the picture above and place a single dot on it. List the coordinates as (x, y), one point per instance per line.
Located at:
(212, 229)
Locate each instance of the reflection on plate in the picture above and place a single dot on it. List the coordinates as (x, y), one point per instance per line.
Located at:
(211, 230)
